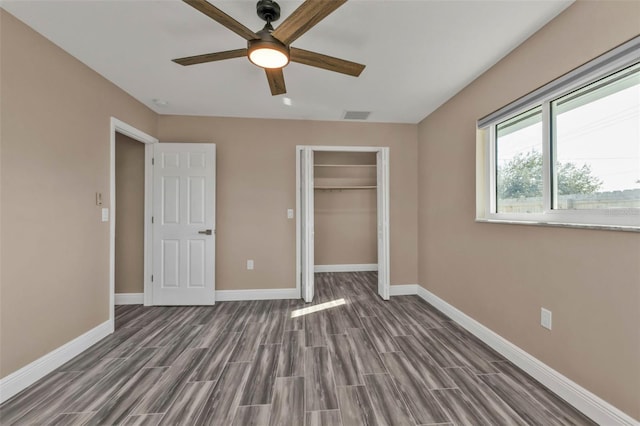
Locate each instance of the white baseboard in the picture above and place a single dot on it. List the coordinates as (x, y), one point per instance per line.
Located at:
(129, 298)
(364, 267)
(588, 403)
(403, 290)
(30, 373)
(268, 294)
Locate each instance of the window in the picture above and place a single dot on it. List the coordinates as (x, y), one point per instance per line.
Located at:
(519, 163)
(596, 144)
(569, 152)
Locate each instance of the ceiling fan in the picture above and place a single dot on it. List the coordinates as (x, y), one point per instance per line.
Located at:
(269, 48)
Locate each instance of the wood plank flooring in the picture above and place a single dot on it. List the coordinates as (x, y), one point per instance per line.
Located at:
(353, 360)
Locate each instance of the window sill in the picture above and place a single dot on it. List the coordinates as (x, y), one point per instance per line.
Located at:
(560, 225)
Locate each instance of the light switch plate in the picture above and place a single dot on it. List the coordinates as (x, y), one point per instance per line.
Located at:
(289, 213)
(105, 214)
(545, 318)
(250, 264)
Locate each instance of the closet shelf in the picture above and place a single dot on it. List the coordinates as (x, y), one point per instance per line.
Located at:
(344, 165)
(345, 187)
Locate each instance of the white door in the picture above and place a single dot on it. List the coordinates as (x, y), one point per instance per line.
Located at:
(184, 224)
(306, 224)
(383, 222)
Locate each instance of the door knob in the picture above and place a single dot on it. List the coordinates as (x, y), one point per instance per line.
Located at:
(206, 232)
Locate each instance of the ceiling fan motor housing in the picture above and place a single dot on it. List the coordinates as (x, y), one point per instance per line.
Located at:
(268, 10)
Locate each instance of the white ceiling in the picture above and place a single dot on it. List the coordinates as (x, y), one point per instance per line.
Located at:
(418, 53)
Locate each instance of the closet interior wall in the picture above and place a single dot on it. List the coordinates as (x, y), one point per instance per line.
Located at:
(345, 208)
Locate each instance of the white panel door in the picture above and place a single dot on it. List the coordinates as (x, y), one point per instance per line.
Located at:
(383, 222)
(184, 224)
(307, 224)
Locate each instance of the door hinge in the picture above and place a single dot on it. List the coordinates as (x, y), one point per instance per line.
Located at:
(153, 161)
(151, 219)
(151, 278)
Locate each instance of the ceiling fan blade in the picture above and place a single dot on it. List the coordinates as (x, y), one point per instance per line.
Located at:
(222, 18)
(211, 57)
(326, 62)
(276, 81)
(304, 18)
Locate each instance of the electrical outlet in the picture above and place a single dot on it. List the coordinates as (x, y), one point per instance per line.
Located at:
(545, 318)
(250, 264)
(105, 214)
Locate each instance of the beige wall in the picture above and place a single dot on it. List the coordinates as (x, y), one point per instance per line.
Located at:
(256, 185)
(502, 274)
(55, 156)
(129, 215)
(345, 227)
(345, 220)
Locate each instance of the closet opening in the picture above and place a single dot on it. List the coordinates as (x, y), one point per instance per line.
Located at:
(342, 222)
(345, 212)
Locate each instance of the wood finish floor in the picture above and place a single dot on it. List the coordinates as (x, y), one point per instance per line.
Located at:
(355, 360)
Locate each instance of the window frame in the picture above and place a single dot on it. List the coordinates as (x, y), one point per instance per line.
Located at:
(486, 188)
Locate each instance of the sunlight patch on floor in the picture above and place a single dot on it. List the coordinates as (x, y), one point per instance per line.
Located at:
(316, 308)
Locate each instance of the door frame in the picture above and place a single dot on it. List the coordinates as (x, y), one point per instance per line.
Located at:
(118, 126)
(379, 150)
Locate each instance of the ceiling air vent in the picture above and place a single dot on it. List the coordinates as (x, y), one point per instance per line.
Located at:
(356, 115)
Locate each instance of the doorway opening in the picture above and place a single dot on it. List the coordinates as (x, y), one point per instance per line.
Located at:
(345, 212)
(129, 242)
(342, 223)
(129, 137)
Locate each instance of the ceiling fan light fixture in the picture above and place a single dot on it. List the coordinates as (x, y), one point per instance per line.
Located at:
(267, 57)
(267, 52)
